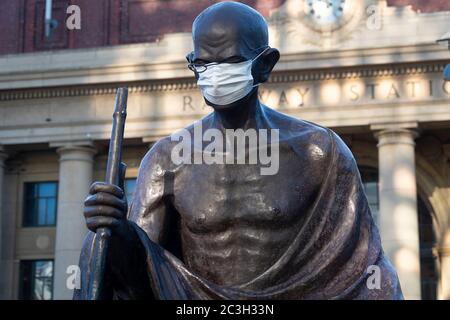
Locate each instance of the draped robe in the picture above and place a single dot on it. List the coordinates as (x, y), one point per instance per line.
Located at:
(333, 256)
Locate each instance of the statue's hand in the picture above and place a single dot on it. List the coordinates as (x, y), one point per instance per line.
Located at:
(106, 207)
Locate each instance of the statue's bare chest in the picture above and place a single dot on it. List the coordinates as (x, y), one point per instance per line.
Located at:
(215, 198)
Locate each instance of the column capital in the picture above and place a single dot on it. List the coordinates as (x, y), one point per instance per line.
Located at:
(75, 151)
(69, 148)
(402, 133)
(71, 143)
(394, 126)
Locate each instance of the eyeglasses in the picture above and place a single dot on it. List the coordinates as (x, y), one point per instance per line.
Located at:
(199, 68)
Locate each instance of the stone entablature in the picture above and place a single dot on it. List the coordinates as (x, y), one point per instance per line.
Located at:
(381, 71)
(340, 97)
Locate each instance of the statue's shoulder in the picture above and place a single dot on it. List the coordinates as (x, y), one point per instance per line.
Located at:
(297, 130)
(161, 151)
(292, 126)
(158, 155)
(304, 135)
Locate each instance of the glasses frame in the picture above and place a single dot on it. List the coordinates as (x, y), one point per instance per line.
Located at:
(203, 67)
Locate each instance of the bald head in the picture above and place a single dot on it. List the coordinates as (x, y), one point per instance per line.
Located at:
(232, 32)
(227, 30)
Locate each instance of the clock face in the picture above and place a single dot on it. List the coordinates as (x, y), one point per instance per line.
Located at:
(325, 13)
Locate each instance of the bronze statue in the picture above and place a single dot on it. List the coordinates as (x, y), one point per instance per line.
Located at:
(225, 231)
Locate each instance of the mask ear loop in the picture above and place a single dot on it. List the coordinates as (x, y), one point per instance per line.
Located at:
(267, 48)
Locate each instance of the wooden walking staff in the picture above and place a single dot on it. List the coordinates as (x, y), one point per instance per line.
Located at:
(115, 171)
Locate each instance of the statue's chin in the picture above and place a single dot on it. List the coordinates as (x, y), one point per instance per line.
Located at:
(230, 106)
(217, 107)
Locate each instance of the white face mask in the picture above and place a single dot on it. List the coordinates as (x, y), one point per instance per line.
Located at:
(225, 83)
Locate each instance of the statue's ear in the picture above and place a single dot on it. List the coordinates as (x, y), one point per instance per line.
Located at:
(189, 57)
(266, 63)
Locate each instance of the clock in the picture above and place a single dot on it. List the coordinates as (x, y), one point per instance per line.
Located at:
(327, 15)
(320, 23)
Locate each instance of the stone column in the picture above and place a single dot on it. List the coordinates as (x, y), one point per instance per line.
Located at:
(399, 227)
(75, 177)
(444, 248)
(444, 255)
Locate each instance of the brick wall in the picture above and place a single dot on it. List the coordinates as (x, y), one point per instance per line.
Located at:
(112, 22)
(422, 5)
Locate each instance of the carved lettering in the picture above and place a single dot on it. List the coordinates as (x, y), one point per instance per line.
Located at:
(412, 86)
(303, 94)
(283, 101)
(393, 92)
(372, 87)
(187, 103)
(355, 94)
(263, 94)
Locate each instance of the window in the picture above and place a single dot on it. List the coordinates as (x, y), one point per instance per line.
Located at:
(130, 185)
(429, 277)
(369, 177)
(40, 204)
(36, 279)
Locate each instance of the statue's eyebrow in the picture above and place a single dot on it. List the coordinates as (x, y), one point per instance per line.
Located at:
(201, 61)
(233, 59)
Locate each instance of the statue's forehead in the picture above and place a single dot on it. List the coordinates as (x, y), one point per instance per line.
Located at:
(218, 41)
(220, 51)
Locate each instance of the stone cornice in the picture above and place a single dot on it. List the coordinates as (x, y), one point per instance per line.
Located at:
(359, 72)
(151, 63)
(189, 84)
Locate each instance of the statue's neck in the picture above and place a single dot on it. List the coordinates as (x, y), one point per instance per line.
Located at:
(248, 115)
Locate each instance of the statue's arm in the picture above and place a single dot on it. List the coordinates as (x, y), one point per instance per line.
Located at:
(127, 267)
(150, 208)
(149, 211)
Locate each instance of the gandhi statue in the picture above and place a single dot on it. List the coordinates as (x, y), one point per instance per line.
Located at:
(227, 231)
